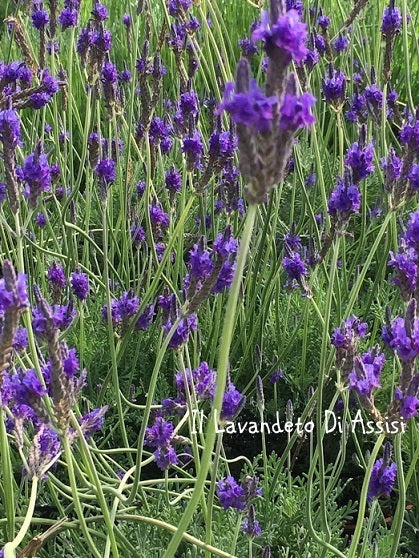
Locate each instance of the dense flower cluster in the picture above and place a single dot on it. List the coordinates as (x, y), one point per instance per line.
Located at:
(287, 35)
(160, 437)
(383, 475)
(238, 496)
(23, 391)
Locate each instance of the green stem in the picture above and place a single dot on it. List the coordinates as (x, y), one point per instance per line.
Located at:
(9, 549)
(8, 493)
(406, 65)
(76, 499)
(150, 397)
(353, 550)
(224, 352)
(401, 506)
(111, 335)
(323, 357)
(212, 491)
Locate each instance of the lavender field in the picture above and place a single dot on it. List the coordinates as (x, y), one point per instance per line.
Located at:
(209, 278)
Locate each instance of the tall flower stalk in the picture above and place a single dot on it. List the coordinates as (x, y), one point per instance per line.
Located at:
(266, 125)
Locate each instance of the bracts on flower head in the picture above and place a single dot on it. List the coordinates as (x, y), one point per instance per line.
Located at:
(64, 387)
(22, 42)
(10, 138)
(391, 23)
(383, 475)
(43, 452)
(265, 128)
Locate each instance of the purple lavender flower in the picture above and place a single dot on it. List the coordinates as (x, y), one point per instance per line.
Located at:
(414, 177)
(233, 402)
(203, 380)
(295, 112)
(100, 12)
(159, 218)
(193, 148)
(68, 17)
(287, 36)
(344, 200)
(160, 436)
(405, 264)
(39, 16)
(392, 166)
(106, 170)
(123, 309)
(341, 43)
(226, 276)
(247, 47)
(295, 267)
(56, 276)
(62, 316)
(165, 457)
(102, 40)
(356, 107)
(27, 388)
(109, 73)
(226, 244)
(222, 146)
(70, 361)
(402, 338)
(80, 284)
(125, 75)
(383, 476)
(17, 298)
(200, 263)
(173, 180)
(334, 86)
(252, 108)
(126, 20)
(192, 24)
(275, 377)
(36, 174)
(360, 158)
(411, 235)
(177, 8)
(137, 234)
(351, 329)
(392, 20)
(182, 332)
(319, 43)
(251, 525)
(21, 339)
(230, 494)
(323, 21)
(409, 135)
(45, 448)
(159, 133)
(312, 58)
(84, 41)
(374, 97)
(140, 188)
(367, 371)
(160, 433)
(146, 318)
(409, 403)
(188, 104)
(297, 5)
(92, 422)
(41, 220)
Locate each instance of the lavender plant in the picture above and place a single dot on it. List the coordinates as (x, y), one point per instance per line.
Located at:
(209, 287)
